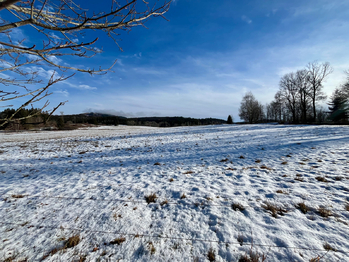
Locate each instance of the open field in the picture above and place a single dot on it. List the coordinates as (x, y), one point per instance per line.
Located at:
(212, 193)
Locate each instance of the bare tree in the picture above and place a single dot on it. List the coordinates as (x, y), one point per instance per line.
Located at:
(59, 27)
(250, 109)
(303, 86)
(316, 75)
(290, 94)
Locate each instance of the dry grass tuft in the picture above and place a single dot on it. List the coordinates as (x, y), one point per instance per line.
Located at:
(118, 241)
(324, 212)
(315, 259)
(258, 161)
(151, 248)
(211, 255)
(237, 206)
(224, 160)
(72, 241)
(51, 253)
(321, 179)
(302, 207)
(300, 179)
(346, 206)
(240, 239)
(165, 202)
(328, 247)
(18, 196)
(252, 257)
(274, 209)
(281, 191)
(183, 196)
(188, 172)
(151, 198)
(284, 163)
(157, 164)
(265, 167)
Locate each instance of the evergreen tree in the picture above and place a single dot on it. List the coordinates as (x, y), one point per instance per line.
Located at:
(229, 120)
(338, 106)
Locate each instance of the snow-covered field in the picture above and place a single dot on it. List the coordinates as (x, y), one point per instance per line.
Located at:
(212, 186)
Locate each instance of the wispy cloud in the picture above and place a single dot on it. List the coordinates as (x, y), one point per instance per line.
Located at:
(80, 86)
(246, 19)
(64, 93)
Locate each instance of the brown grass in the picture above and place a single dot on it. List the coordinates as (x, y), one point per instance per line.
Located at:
(300, 179)
(274, 209)
(321, 179)
(165, 202)
(211, 255)
(346, 206)
(18, 196)
(284, 163)
(118, 241)
(302, 207)
(252, 256)
(151, 248)
(315, 259)
(183, 196)
(72, 241)
(188, 172)
(265, 167)
(237, 206)
(151, 198)
(324, 212)
(328, 247)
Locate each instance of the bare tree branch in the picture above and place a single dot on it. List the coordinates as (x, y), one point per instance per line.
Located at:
(22, 62)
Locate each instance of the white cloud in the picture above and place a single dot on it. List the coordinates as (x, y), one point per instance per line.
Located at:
(62, 92)
(246, 19)
(80, 86)
(55, 59)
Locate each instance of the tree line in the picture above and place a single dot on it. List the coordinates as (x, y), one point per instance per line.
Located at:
(297, 99)
(68, 122)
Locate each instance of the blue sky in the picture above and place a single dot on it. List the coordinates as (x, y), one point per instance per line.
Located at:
(202, 61)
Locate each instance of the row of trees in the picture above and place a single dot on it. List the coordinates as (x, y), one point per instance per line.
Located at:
(297, 99)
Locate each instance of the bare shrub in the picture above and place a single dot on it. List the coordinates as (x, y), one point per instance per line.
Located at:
(151, 198)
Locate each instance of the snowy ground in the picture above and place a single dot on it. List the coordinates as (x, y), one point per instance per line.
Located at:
(92, 184)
